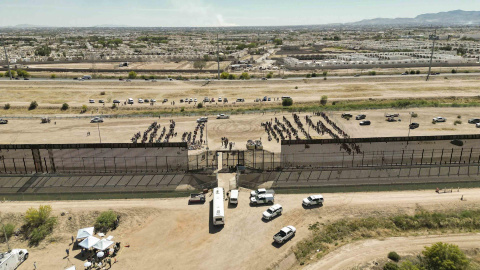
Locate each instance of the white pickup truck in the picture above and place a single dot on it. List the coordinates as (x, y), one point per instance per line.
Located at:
(262, 199)
(284, 234)
(261, 191)
(223, 116)
(11, 260)
(313, 200)
(272, 212)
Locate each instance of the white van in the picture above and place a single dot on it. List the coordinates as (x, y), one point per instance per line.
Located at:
(11, 260)
(130, 101)
(234, 196)
(218, 213)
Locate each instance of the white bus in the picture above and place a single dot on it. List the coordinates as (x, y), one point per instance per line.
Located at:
(218, 214)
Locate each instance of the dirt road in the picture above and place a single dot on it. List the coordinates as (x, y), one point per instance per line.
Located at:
(355, 254)
(175, 235)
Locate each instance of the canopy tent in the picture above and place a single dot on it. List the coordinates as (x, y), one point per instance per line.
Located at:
(84, 233)
(89, 242)
(71, 268)
(103, 244)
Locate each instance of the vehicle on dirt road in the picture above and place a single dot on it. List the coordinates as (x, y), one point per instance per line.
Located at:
(202, 120)
(360, 117)
(11, 260)
(196, 198)
(234, 196)
(313, 200)
(439, 119)
(262, 199)
(365, 123)
(414, 125)
(218, 214)
(3, 121)
(347, 115)
(284, 234)
(272, 212)
(261, 191)
(223, 116)
(96, 120)
(474, 120)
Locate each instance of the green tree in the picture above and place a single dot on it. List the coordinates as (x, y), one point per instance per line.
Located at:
(11, 72)
(206, 57)
(38, 223)
(278, 41)
(9, 229)
(106, 221)
(224, 75)
(132, 75)
(287, 102)
(324, 100)
(84, 109)
(43, 51)
(270, 75)
(391, 266)
(408, 265)
(23, 73)
(64, 107)
(308, 75)
(53, 76)
(245, 76)
(200, 64)
(443, 256)
(232, 76)
(392, 255)
(314, 74)
(33, 105)
(1, 75)
(200, 105)
(417, 72)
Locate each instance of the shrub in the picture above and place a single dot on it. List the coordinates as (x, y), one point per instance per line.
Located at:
(232, 76)
(6, 106)
(102, 93)
(324, 78)
(270, 75)
(323, 100)
(392, 255)
(114, 106)
(459, 116)
(1, 75)
(53, 76)
(444, 256)
(200, 105)
(182, 109)
(245, 76)
(308, 75)
(372, 73)
(454, 71)
(414, 115)
(7, 230)
(106, 221)
(64, 107)
(38, 223)
(296, 87)
(287, 102)
(325, 73)
(132, 75)
(84, 109)
(314, 75)
(434, 122)
(418, 71)
(412, 71)
(224, 75)
(391, 266)
(152, 77)
(11, 72)
(143, 77)
(457, 122)
(33, 105)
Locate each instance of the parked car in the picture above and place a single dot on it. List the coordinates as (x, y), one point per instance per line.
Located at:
(240, 100)
(195, 100)
(414, 125)
(225, 100)
(146, 100)
(116, 101)
(219, 99)
(153, 100)
(140, 100)
(365, 123)
(3, 121)
(272, 212)
(347, 115)
(234, 196)
(474, 120)
(313, 200)
(101, 101)
(477, 125)
(439, 119)
(190, 100)
(261, 191)
(262, 199)
(223, 116)
(202, 120)
(196, 198)
(284, 234)
(360, 117)
(91, 101)
(206, 99)
(96, 120)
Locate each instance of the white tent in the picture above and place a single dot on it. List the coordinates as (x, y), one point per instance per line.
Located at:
(84, 233)
(89, 242)
(103, 244)
(71, 268)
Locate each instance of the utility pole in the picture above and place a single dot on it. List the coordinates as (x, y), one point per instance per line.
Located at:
(98, 125)
(433, 37)
(6, 58)
(218, 59)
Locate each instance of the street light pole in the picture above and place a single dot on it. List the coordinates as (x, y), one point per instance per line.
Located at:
(433, 37)
(98, 125)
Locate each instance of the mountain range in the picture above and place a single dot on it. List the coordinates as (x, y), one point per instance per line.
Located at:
(453, 18)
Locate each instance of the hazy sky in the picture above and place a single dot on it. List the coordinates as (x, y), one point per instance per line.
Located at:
(214, 12)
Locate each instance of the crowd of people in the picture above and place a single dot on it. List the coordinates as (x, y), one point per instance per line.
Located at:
(191, 138)
(150, 134)
(97, 262)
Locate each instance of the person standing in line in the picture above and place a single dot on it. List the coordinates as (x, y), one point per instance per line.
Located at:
(68, 252)
(35, 265)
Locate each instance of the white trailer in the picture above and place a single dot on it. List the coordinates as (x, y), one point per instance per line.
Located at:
(11, 260)
(218, 214)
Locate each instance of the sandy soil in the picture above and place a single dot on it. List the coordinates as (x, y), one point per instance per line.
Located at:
(239, 128)
(170, 233)
(133, 65)
(356, 254)
(78, 93)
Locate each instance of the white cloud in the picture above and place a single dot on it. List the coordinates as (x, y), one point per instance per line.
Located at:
(221, 21)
